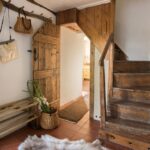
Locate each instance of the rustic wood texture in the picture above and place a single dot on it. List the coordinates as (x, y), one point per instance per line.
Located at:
(92, 66)
(129, 104)
(38, 4)
(131, 66)
(119, 53)
(46, 67)
(132, 80)
(102, 96)
(96, 22)
(106, 49)
(126, 139)
(15, 108)
(135, 95)
(128, 120)
(15, 115)
(9, 126)
(17, 9)
(67, 16)
(124, 125)
(74, 27)
(102, 81)
(131, 111)
(110, 75)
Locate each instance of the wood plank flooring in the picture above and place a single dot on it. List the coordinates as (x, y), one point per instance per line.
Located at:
(85, 129)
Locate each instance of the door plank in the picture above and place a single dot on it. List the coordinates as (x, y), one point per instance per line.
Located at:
(45, 38)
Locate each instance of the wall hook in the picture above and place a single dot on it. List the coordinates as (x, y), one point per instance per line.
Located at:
(21, 8)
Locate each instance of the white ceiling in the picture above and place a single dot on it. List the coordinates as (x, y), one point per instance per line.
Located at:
(58, 5)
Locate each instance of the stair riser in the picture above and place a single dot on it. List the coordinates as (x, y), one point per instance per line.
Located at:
(133, 95)
(121, 128)
(131, 80)
(131, 67)
(131, 113)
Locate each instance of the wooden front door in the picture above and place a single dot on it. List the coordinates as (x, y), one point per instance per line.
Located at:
(46, 61)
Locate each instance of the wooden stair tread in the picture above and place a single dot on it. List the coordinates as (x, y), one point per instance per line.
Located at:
(129, 123)
(140, 89)
(135, 111)
(132, 74)
(12, 109)
(128, 135)
(133, 104)
(131, 61)
(136, 130)
(131, 80)
(135, 95)
(132, 66)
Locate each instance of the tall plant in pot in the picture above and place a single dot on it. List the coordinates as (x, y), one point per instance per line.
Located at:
(49, 116)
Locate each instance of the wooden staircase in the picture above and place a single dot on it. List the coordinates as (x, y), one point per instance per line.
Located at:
(128, 120)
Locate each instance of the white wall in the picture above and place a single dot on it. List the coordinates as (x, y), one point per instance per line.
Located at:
(132, 28)
(72, 48)
(14, 75)
(97, 86)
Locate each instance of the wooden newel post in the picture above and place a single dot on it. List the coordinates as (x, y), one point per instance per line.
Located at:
(102, 96)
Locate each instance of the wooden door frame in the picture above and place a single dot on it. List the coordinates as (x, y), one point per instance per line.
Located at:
(92, 73)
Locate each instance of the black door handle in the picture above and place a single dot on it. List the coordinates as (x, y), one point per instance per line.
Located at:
(35, 54)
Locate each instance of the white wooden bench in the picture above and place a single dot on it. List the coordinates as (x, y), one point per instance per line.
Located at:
(16, 115)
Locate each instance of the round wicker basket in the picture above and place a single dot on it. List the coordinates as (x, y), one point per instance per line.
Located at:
(49, 121)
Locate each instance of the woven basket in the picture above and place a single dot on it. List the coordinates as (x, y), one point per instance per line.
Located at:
(49, 121)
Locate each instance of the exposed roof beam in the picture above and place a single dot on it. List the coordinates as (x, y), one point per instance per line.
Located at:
(38, 4)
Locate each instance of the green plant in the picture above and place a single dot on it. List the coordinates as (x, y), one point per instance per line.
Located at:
(35, 92)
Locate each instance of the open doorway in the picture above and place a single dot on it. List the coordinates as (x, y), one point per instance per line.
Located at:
(75, 85)
(86, 72)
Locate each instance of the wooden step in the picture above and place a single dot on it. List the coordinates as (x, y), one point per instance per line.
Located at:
(132, 66)
(131, 111)
(132, 80)
(125, 138)
(13, 124)
(124, 125)
(135, 95)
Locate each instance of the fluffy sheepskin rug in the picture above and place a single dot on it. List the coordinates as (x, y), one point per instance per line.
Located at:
(47, 142)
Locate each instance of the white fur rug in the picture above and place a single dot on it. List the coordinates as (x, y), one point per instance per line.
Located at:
(47, 142)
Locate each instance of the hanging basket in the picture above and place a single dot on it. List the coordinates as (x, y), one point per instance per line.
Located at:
(1, 5)
(49, 121)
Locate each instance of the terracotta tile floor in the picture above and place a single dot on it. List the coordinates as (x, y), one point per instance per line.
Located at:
(85, 129)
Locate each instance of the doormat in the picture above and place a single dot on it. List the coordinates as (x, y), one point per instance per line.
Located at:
(74, 111)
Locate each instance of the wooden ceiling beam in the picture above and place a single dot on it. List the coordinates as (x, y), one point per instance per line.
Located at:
(38, 4)
(22, 11)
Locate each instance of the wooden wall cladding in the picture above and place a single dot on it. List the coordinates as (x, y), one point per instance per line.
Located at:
(96, 22)
(46, 68)
(67, 16)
